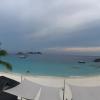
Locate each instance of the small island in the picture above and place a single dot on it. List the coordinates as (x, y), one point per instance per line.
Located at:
(26, 54)
(19, 53)
(97, 60)
(34, 53)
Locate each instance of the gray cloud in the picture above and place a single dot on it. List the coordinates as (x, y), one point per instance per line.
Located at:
(38, 24)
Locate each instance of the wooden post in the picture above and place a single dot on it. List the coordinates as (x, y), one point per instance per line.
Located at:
(64, 91)
(21, 78)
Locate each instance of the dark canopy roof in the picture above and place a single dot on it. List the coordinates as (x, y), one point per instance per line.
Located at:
(7, 83)
(7, 96)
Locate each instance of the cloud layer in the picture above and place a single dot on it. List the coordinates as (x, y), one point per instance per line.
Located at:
(43, 24)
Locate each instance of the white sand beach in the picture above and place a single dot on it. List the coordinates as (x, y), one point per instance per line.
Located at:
(57, 81)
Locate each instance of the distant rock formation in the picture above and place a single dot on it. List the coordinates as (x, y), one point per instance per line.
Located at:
(20, 53)
(26, 54)
(34, 53)
(97, 60)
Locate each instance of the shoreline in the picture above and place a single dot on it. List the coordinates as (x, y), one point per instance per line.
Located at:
(97, 77)
(51, 76)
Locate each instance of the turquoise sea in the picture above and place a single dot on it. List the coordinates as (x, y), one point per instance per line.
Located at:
(53, 65)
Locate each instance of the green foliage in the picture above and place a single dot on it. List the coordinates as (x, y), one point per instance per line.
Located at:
(8, 65)
(3, 53)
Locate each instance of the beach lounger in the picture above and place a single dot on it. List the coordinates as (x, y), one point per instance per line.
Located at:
(49, 93)
(85, 93)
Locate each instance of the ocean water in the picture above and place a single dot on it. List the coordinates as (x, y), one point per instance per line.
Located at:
(53, 65)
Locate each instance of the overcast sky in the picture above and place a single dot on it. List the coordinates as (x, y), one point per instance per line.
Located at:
(50, 25)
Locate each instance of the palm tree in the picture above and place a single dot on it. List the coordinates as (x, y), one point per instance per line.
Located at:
(6, 64)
